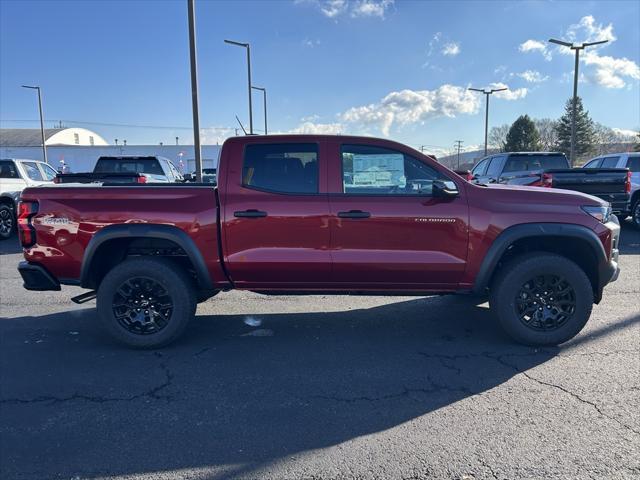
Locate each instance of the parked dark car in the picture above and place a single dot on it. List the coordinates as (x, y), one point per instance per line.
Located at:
(549, 169)
(147, 169)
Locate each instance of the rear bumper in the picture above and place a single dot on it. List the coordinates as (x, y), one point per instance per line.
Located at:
(36, 277)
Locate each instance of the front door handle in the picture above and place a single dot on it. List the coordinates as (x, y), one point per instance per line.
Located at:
(251, 213)
(354, 214)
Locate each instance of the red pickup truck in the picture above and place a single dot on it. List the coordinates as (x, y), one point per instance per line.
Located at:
(320, 214)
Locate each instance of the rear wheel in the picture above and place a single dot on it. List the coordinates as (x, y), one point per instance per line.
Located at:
(542, 299)
(7, 221)
(146, 302)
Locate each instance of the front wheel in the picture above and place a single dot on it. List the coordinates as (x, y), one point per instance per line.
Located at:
(7, 222)
(542, 299)
(146, 302)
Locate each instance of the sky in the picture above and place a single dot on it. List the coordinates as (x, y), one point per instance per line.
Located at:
(396, 69)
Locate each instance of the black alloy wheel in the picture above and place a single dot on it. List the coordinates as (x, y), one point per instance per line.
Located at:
(142, 306)
(545, 302)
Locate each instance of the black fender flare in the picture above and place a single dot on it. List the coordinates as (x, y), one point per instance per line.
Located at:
(145, 230)
(517, 232)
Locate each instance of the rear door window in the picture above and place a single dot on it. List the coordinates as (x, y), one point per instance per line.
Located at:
(32, 171)
(610, 162)
(633, 164)
(281, 168)
(495, 167)
(8, 169)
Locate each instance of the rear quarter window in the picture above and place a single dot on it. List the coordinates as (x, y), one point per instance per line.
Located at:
(633, 163)
(8, 169)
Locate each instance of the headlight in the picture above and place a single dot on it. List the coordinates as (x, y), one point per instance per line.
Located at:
(601, 214)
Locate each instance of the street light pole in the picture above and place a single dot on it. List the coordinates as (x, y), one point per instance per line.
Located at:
(44, 146)
(248, 47)
(577, 47)
(194, 89)
(264, 106)
(487, 92)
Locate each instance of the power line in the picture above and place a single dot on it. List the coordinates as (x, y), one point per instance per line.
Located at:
(128, 125)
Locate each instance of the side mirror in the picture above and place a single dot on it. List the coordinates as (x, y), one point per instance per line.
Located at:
(445, 189)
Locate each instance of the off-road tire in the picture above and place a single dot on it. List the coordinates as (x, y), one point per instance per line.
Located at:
(7, 221)
(510, 286)
(168, 278)
(635, 213)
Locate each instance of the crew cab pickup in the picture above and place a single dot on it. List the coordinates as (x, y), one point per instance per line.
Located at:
(548, 169)
(326, 215)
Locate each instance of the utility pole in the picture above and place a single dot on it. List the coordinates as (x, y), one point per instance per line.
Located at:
(264, 106)
(577, 47)
(459, 145)
(194, 88)
(487, 92)
(248, 47)
(44, 146)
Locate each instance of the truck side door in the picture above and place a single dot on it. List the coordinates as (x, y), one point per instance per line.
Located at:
(275, 223)
(388, 230)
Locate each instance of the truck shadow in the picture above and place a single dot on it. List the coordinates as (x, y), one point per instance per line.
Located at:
(231, 398)
(10, 245)
(629, 239)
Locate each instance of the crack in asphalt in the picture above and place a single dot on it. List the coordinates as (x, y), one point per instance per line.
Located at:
(153, 393)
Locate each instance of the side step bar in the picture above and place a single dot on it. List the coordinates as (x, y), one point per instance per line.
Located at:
(85, 297)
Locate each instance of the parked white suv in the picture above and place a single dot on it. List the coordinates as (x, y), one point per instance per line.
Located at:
(15, 176)
(630, 160)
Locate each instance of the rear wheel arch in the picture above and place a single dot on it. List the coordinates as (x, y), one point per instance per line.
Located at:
(114, 243)
(575, 242)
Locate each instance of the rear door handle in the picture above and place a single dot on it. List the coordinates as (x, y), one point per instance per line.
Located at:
(354, 214)
(252, 213)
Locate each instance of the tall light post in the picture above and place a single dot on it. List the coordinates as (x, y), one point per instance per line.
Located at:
(247, 46)
(44, 146)
(577, 47)
(487, 92)
(264, 106)
(194, 89)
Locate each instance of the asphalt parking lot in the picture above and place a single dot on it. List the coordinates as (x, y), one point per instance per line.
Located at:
(318, 388)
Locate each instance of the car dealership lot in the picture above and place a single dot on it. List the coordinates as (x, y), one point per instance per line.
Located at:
(318, 387)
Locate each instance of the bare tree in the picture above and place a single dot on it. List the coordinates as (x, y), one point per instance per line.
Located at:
(547, 128)
(498, 137)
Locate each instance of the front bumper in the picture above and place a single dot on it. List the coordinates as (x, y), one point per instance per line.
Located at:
(611, 270)
(36, 277)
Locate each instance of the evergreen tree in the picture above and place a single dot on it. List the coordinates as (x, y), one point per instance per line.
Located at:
(585, 132)
(523, 136)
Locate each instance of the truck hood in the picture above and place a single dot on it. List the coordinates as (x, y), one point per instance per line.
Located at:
(544, 195)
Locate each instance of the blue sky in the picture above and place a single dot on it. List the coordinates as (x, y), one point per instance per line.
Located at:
(379, 67)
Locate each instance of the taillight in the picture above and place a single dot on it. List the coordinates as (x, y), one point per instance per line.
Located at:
(141, 179)
(547, 180)
(627, 185)
(26, 211)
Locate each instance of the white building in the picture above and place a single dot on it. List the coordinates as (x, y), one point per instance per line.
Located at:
(32, 137)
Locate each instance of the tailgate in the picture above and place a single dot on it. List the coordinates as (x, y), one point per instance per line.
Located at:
(593, 181)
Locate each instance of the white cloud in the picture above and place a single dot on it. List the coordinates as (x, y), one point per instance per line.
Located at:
(308, 127)
(511, 94)
(536, 46)
(532, 76)
(355, 8)
(413, 106)
(451, 49)
(609, 71)
(216, 135)
(586, 30)
(311, 43)
(371, 8)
